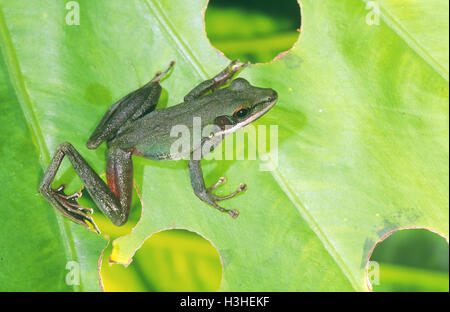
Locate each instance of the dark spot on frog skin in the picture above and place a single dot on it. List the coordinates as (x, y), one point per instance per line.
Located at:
(163, 156)
(222, 122)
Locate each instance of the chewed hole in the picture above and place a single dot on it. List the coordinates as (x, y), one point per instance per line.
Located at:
(253, 30)
(170, 260)
(410, 260)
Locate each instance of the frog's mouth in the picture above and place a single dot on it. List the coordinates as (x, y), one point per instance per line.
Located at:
(249, 120)
(230, 128)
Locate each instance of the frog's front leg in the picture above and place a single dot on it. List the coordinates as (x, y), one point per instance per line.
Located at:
(205, 194)
(114, 199)
(218, 81)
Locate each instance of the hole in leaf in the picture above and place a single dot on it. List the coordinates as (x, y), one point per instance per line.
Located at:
(170, 260)
(253, 30)
(410, 260)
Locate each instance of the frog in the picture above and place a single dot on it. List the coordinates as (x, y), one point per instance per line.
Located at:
(133, 126)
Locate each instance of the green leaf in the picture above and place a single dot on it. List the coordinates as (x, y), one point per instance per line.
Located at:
(259, 37)
(423, 25)
(39, 251)
(402, 278)
(174, 260)
(362, 134)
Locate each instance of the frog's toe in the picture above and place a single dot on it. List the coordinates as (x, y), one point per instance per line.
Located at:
(160, 75)
(69, 206)
(233, 213)
(212, 199)
(239, 65)
(219, 182)
(242, 188)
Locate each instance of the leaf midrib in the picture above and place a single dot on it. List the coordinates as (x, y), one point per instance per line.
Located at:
(396, 26)
(158, 12)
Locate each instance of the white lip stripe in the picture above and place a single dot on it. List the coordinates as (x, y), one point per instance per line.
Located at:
(245, 122)
(182, 154)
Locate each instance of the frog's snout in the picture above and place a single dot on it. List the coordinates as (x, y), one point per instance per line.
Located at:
(273, 97)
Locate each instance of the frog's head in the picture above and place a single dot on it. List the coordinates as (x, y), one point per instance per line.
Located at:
(245, 103)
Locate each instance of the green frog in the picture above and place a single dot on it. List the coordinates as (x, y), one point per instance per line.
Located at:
(132, 126)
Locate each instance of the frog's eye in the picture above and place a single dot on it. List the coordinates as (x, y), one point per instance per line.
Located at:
(241, 112)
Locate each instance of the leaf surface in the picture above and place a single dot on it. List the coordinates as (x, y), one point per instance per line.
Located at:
(362, 133)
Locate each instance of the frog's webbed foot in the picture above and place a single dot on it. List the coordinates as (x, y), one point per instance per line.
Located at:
(212, 198)
(68, 205)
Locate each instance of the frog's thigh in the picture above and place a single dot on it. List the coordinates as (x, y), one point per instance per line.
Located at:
(128, 109)
(119, 175)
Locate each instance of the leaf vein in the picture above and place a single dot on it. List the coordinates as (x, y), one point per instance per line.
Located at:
(158, 12)
(400, 30)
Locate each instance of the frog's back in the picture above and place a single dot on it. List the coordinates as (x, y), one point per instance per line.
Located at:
(150, 136)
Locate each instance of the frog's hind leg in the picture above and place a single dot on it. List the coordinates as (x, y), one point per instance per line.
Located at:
(102, 195)
(128, 109)
(119, 176)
